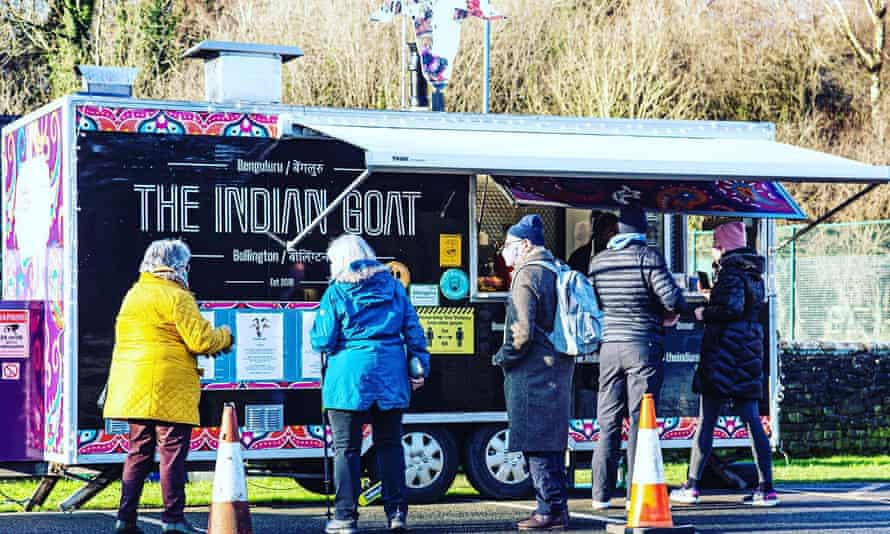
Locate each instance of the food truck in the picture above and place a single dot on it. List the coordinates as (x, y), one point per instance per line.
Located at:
(258, 189)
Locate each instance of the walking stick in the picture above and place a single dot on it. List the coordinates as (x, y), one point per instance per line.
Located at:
(324, 434)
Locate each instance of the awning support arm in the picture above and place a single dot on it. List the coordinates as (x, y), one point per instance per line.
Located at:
(331, 207)
(831, 213)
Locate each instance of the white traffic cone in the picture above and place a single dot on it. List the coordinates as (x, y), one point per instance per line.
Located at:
(229, 512)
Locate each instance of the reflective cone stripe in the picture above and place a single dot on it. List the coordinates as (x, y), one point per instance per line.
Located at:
(229, 512)
(649, 505)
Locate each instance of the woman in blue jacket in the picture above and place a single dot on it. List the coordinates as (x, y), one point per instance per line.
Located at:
(369, 329)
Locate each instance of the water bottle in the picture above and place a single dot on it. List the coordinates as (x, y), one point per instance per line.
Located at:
(415, 367)
(371, 494)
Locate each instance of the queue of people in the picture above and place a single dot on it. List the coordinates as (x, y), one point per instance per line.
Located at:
(369, 330)
(639, 298)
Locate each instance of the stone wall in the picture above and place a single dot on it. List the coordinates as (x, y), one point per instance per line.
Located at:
(836, 399)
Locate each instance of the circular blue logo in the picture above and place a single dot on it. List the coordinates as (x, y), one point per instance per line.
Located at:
(455, 284)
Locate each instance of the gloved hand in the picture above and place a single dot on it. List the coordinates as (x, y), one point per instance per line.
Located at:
(416, 383)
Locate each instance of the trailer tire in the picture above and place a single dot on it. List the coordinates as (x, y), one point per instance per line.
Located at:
(315, 485)
(491, 470)
(431, 461)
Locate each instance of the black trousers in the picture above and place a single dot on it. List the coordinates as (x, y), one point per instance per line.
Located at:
(548, 473)
(346, 428)
(627, 372)
(704, 437)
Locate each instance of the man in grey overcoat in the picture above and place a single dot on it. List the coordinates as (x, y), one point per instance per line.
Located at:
(537, 379)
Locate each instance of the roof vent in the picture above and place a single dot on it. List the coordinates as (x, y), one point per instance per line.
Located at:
(108, 81)
(241, 72)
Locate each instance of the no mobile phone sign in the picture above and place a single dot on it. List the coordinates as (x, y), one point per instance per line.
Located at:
(10, 371)
(14, 334)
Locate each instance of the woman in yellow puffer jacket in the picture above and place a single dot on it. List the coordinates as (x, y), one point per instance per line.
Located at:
(154, 383)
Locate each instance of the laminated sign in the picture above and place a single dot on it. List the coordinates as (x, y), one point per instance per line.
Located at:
(449, 250)
(448, 330)
(14, 334)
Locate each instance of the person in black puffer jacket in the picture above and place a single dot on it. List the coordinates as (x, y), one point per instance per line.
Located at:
(637, 293)
(731, 366)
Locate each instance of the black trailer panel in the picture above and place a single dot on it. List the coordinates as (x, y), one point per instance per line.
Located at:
(234, 200)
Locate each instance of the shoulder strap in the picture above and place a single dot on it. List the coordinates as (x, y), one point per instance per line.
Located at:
(541, 263)
(549, 265)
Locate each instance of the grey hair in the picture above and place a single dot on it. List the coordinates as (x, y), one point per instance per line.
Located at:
(344, 250)
(166, 254)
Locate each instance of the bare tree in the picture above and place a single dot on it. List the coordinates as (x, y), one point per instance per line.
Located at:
(54, 34)
(870, 57)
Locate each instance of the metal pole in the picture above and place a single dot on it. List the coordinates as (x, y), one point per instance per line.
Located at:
(793, 290)
(831, 213)
(486, 69)
(324, 436)
(403, 72)
(331, 207)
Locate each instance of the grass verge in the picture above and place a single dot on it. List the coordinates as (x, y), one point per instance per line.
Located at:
(285, 491)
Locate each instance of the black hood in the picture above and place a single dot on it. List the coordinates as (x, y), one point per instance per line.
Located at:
(743, 259)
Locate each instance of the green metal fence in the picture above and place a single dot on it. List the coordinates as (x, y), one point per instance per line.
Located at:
(833, 284)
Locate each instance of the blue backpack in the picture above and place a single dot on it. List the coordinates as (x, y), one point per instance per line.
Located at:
(578, 323)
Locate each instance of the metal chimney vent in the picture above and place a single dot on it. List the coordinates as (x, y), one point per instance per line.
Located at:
(241, 72)
(109, 81)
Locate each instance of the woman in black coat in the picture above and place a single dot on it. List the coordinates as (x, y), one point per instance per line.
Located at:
(731, 366)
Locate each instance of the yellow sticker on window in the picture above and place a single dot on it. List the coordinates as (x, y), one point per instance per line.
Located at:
(448, 330)
(450, 250)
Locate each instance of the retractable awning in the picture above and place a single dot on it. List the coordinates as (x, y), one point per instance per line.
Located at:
(580, 155)
(692, 167)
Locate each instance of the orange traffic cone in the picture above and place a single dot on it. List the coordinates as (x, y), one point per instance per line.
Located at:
(650, 510)
(229, 513)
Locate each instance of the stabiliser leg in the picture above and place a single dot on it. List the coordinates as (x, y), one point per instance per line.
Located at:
(47, 483)
(92, 487)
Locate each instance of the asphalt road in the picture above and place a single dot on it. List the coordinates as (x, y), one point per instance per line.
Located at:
(837, 508)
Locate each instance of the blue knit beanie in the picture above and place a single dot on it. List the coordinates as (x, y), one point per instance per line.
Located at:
(632, 220)
(530, 227)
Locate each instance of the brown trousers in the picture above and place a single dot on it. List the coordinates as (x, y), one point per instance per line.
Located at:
(171, 440)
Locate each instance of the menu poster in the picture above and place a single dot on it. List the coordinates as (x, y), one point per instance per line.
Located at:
(206, 363)
(259, 352)
(310, 360)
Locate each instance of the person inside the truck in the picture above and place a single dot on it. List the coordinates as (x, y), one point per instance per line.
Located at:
(731, 365)
(369, 329)
(583, 234)
(154, 382)
(635, 290)
(537, 379)
(603, 228)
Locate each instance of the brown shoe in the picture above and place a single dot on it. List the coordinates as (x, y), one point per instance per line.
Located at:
(544, 522)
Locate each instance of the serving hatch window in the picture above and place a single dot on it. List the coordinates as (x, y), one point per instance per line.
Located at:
(566, 230)
(494, 216)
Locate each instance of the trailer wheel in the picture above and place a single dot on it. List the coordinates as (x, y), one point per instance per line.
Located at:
(314, 467)
(315, 485)
(431, 460)
(493, 471)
